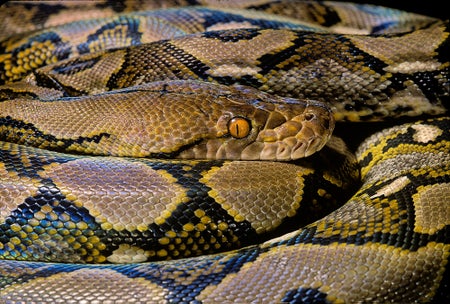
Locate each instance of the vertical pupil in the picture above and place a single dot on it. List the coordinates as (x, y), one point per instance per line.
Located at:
(238, 127)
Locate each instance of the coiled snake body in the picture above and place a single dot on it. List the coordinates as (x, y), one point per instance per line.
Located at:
(91, 119)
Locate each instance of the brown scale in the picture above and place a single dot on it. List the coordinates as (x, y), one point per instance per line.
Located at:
(387, 243)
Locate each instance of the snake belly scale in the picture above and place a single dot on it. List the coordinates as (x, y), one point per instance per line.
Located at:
(151, 156)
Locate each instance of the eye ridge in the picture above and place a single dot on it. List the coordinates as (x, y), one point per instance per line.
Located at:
(239, 127)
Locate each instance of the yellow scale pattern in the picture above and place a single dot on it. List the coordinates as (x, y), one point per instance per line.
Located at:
(66, 220)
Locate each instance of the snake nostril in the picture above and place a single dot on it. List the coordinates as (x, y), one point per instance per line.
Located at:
(309, 116)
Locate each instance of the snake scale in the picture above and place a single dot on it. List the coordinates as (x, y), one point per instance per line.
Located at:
(245, 93)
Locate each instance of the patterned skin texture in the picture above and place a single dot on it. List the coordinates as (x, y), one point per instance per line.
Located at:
(112, 223)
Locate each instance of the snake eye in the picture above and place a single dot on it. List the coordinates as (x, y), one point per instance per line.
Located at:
(239, 127)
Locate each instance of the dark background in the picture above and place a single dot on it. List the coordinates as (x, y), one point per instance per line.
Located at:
(433, 8)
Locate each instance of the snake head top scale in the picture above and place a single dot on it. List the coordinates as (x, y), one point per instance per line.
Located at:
(172, 119)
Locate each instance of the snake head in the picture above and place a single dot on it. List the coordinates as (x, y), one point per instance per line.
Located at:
(183, 119)
(258, 126)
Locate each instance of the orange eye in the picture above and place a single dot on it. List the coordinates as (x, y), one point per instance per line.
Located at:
(239, 127)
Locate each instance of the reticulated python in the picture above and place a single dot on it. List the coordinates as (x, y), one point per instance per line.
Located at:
(76, 90)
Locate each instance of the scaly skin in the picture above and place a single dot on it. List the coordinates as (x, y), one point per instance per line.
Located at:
(66, 220)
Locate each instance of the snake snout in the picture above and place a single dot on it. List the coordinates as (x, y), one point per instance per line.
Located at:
(318, 125)
(301, 135)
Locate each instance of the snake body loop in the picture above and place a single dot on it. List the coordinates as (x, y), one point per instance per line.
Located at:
(186, 154)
